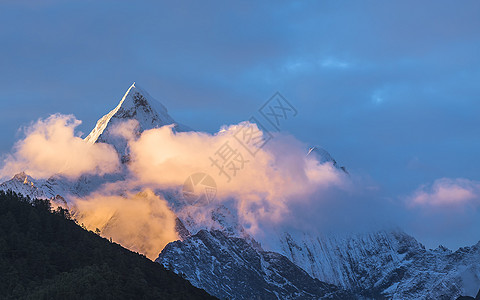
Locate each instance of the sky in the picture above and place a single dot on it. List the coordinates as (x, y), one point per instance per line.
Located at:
(390, 89)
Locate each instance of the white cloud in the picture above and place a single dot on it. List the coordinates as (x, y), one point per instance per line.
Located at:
(279, 173)
(446, 192)
(51, 147)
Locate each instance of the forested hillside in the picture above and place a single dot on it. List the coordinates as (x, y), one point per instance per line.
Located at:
(44, 254)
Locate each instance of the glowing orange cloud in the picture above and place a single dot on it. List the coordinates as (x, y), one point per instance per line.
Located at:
(141, 222)
(278, 174)
(51, 147)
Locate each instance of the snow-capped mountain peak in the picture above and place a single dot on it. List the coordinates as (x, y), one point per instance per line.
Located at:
(323, 156)
(24, 184)
(22, 176)
(138, 105)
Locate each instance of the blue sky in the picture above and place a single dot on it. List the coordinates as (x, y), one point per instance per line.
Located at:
(390, 88)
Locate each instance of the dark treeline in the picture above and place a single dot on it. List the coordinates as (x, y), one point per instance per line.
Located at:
(44, 254)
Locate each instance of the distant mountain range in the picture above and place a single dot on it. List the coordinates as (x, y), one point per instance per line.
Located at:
(220, 257)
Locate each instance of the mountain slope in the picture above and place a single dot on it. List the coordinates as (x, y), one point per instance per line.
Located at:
(350, 261)
(387, 263)
(45, 255)
(57, 188)
(230, 268)
(25, 185)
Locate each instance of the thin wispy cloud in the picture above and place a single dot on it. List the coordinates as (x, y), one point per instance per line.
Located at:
(449, 193)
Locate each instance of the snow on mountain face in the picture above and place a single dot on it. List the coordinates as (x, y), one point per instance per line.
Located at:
(56, 187)
(386, 263)
(33, 188)
(340, 259)
(24, 184)
(137, 105)
(438, 274)
(230, 268)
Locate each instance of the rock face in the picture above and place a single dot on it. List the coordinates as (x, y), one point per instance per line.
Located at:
(386, 264)
(230, 268)
(354, 262)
